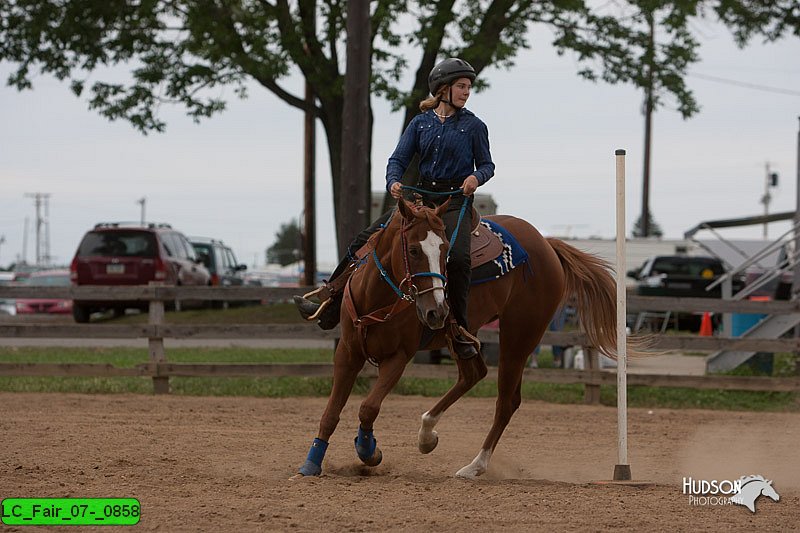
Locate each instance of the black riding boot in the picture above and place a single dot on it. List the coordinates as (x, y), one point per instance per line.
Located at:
(331, 315)
(458, 275)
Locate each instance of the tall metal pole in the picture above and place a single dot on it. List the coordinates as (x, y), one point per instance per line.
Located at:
(622, 470)
(796, 280)
(766, 198)
(37, 198)
(46, 259)
(355, 179)
(309, 195)
(648, 114)
(142, 201)
(25, 242)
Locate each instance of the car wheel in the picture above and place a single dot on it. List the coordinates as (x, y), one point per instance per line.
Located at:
(81, 313)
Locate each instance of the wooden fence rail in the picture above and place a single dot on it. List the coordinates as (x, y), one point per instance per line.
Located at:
(160, 370)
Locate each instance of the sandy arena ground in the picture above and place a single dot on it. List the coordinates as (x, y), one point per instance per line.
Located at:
(222, 464)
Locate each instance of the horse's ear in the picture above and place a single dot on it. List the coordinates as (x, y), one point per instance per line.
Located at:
(442, 209)
(405, 209)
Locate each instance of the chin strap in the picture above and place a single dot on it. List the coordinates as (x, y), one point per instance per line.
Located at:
(448, 102)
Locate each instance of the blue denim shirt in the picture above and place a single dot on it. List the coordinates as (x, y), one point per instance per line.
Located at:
(449, 151)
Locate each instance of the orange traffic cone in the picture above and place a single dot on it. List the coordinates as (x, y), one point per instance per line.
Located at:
(705, 326)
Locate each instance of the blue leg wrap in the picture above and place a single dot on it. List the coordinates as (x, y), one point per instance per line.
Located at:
(313, 464)
(365, 444)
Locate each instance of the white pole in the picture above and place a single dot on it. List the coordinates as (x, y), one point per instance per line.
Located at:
(622, 471)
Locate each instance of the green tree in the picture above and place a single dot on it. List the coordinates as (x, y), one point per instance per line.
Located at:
(654, 227)
(287, 248)
(182, 51)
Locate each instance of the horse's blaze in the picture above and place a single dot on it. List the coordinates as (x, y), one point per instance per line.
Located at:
(433, 312)
(432, 248)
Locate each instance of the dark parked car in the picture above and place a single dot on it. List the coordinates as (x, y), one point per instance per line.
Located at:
(220, 261)
(680, 276)
(133, 254)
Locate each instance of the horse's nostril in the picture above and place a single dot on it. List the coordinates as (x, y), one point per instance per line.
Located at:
(431, 315)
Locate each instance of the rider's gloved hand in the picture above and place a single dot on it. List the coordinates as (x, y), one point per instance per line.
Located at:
(470, 185)
(396, 190)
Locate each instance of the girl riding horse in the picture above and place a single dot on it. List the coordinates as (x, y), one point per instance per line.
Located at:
(453, 147)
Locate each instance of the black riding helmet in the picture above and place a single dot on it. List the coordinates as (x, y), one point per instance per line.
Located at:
(449, 71)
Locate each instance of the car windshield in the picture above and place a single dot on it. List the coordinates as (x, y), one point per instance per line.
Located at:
(204, 253)
(686, 267)
(118, 244)
(54, 280)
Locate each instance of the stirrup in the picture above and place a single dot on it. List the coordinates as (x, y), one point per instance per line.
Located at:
(314, 292)
(322, 306)
(323, 303)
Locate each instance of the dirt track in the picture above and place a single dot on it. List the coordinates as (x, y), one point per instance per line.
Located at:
(222, 464)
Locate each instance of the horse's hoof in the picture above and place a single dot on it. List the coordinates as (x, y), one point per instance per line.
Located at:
(468, 472)
(376, 458)
(427, 446)
(309, 469)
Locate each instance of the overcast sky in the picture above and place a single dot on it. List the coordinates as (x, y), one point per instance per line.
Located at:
(238, 176)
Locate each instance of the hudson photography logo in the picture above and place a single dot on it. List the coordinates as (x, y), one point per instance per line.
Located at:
(743, 491)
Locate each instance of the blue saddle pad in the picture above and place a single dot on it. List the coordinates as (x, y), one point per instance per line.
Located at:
(512, 256)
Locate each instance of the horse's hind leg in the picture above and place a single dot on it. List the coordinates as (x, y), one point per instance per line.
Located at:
(470, 372)
(346, 367)
(518, 338)
(389, 373)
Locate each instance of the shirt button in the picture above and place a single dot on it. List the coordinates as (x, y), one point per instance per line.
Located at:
(438, 136)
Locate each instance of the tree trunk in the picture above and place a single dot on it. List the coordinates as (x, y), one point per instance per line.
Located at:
(354, 184)
(332, 122)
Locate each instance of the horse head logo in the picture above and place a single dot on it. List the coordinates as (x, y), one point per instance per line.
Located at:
(751, 488)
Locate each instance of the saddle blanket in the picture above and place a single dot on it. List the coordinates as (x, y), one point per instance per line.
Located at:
(511, 256)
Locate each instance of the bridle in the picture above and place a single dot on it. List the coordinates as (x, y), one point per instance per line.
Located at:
(404, 298)
(408, 280)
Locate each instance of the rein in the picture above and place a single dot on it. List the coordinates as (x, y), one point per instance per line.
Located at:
(443, 193)
(404, 299)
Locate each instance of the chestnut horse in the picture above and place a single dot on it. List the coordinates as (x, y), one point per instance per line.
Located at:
(405, 268)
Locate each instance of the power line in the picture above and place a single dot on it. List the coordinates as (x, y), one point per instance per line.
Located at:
(746, 84)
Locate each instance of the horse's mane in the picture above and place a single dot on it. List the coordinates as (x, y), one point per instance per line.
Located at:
(755, 477)
(421, 213)
(430, 215)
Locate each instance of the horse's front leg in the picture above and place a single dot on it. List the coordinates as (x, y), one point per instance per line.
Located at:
(389, 373)
(345, 371)
(470, 372)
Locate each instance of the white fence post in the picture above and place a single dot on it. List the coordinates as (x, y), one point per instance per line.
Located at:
(622, 470)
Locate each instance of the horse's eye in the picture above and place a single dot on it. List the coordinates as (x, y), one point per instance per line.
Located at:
(413, 252)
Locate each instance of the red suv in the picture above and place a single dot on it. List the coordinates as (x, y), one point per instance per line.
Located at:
(132, 254)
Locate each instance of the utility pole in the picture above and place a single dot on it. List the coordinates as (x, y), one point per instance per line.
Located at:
(770, 180)
(25, 242)
(142, 201)
(2, 240)
(309, 234)
(40, 200)
(648, 113)
(796, 280)
(354, 200)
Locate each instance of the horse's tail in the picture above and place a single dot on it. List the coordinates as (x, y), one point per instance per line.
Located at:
(589, 281)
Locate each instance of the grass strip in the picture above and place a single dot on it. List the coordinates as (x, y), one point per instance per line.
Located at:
(638, 396)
